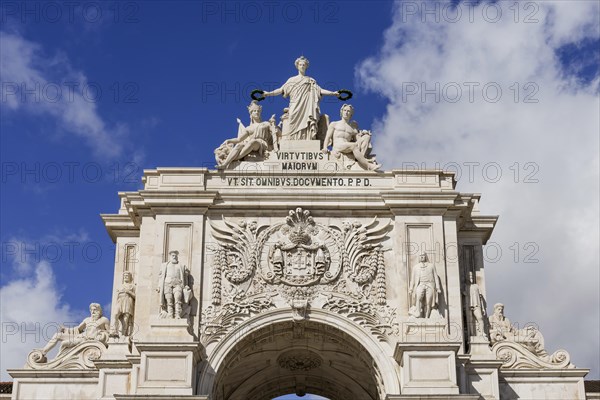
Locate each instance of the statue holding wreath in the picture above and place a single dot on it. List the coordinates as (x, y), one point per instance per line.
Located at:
(303, 120)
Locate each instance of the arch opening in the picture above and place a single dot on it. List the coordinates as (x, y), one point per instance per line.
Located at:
(301, 358)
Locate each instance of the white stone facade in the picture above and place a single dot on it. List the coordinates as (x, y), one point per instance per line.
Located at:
(295, 276)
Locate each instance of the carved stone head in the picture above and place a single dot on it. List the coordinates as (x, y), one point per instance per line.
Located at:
(499, 308)
(95, 310)
(348, 107)
(302, 60)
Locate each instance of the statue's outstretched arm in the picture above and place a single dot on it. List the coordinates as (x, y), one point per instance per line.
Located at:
(325, 92)
(276, 92)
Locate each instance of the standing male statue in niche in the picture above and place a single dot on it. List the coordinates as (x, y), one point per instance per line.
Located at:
(125, 305)
(302, 122)
(477, 307)
(173, 287)
(424, 289)
(94, 327)
(348, 139)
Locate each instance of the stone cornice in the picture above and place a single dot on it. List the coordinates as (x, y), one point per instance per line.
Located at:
(547, 373)
(426, 202)
(193, 191)
(119, 225)
(49, 373)
(425, 346)
(135, 205)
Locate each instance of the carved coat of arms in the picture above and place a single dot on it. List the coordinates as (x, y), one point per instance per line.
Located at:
(340, 268)
(299, 257)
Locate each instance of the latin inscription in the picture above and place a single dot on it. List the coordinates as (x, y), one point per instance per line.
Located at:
(299, 155)
(299, 161)
(298, 181)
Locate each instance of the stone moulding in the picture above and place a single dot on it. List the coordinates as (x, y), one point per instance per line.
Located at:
(81, 356)
(516, 356)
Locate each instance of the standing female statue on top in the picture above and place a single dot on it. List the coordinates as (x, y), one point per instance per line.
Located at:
(303, 120)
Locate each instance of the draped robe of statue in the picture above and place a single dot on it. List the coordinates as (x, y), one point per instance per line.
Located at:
(304, 112)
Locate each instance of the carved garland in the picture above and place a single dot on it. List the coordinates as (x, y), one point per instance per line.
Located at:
(381, 294)
(220, 262)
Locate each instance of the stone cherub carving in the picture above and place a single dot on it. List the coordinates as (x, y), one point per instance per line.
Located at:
(425, 287)
(304, 120)
(348, 140)
(256, 138)
(173, 288)
(93, 328)
(477, 306)
(125, 305)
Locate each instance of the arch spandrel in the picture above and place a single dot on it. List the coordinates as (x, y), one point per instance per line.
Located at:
(345, 353)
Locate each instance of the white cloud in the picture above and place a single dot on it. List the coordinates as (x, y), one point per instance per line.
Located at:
(31, 311)
(558, 135)
(41, 85)
(31, 305)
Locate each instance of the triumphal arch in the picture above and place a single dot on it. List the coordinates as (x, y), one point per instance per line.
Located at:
(299, 266)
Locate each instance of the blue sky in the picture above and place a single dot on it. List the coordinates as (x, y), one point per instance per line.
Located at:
(94, 94)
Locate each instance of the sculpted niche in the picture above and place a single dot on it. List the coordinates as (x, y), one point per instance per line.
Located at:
(125, 306)
(425, 288)
(477, 306)
(174, 288)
